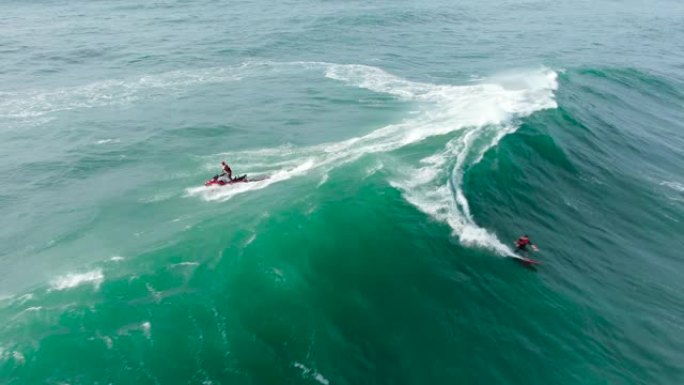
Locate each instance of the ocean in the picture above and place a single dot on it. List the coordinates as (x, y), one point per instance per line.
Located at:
(399, 148)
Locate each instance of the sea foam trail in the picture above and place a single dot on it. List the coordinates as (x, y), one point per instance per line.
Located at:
(476, 116)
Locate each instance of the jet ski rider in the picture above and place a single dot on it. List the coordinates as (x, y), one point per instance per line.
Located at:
(226, 171)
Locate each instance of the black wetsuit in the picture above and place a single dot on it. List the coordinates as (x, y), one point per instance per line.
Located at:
(228, 171)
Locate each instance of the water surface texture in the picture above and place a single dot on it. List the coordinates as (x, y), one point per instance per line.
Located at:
(405, 144)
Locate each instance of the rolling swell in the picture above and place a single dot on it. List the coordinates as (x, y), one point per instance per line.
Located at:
(577, 177)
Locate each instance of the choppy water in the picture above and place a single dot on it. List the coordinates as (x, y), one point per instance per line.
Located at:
(406, 146)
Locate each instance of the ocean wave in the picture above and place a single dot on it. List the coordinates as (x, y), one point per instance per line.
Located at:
(477, 115)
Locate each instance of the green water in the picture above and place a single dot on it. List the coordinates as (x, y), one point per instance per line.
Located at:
(405, 146)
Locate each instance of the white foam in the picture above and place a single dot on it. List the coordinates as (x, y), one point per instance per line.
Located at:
(222, 193)
(19, 358)
(105, 141)
(185, 264)
(35, 103)
(308, 372)
(375, 79)
(373, 169)
(324, 179)
(157, 295)
(24, 298)
(250, 239)
(107, 341)
(673, 185)
(476, 116)
(146, 327)
(69, 281)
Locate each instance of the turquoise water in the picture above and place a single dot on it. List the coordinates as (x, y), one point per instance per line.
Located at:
(406, 146)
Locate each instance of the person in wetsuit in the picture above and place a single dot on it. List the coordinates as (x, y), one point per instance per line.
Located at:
(522, 244)
(226, 170)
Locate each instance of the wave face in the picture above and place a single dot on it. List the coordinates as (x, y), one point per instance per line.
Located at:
(476, 117)
(396, 149)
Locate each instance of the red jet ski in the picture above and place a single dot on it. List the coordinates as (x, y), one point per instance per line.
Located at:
(216, 181)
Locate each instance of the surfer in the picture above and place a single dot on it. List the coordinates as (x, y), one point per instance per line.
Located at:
(522, 243)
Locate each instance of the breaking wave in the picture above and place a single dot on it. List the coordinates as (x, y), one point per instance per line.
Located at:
(473, 117)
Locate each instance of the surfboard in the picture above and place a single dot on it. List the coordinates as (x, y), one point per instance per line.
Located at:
(526, 261)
